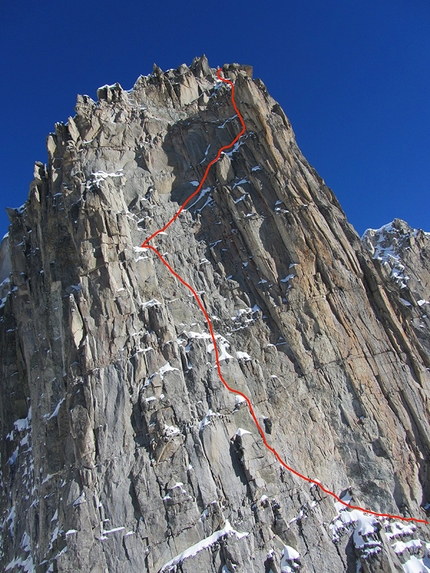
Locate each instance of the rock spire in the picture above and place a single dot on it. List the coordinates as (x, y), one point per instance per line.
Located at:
(121, 451)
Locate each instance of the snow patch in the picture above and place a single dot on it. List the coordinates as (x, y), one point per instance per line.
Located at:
(241, 432)
(289, 559)
(415, 565)
(99, 176)
(166, 368)
(192, 551)
(207, 419)
(223, 344)
(57, 409)
(171, 431)
(397, 529)
(413, 545)
(287, 278)
(109, 531)
(80, 499)
(243, 356)
(364, 528)
(227, 121)
(150, 303)
(23, 423)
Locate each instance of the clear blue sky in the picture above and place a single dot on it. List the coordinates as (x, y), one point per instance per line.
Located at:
(353, 76)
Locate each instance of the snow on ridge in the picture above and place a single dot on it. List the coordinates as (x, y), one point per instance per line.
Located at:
(401, 546)
(397, 529)
(367, 541)
(364, 528)
(192, 551)
(386, 244)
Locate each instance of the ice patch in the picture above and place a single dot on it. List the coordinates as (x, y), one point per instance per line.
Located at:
(206, 154)
(192, 334)
(25, 565)
(347, 498)
(11, 517)
(241, 198)
(241, 182)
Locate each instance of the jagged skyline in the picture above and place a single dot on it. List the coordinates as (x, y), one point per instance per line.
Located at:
(352, 80)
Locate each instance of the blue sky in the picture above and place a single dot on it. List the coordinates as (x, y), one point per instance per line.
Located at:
(352, 76)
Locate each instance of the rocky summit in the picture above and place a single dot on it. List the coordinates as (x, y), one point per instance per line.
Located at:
(121, 450)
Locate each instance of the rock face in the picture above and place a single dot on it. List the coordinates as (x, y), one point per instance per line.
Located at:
(121, 450)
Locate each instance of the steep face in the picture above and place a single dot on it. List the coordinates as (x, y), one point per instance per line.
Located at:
(121, 449)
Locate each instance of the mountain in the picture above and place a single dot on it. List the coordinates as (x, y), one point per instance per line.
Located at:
(122, 450)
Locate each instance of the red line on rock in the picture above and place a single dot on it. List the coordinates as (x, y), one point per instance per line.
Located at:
(146, 245)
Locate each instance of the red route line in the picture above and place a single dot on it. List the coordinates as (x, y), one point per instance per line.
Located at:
(146, 245)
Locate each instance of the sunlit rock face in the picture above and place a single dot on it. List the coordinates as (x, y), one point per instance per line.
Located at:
(121, 449)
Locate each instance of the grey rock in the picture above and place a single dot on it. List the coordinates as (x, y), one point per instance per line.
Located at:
(121, 449)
